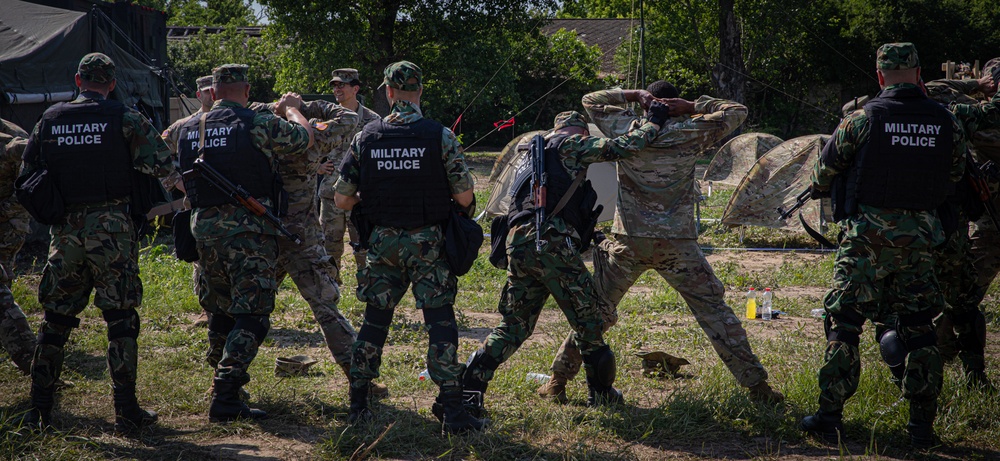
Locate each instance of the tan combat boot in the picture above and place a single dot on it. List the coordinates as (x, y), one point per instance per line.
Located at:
(555, 388)
(762, 392)
(376, 390)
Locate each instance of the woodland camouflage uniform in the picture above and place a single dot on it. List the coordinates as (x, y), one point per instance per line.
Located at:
(884, 272)
(654, 228)
(16, 336)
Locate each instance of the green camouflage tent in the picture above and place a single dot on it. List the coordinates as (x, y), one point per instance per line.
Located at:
(734, 159)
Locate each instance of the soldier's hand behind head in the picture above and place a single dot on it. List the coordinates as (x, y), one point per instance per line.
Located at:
(659, 112)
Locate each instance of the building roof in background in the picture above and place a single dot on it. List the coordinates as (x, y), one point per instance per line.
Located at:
(607, 34)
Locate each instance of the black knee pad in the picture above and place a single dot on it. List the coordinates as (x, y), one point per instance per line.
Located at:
(222, 324)
(893, 352)
(602, 368)
(61, 324)
(376, 327)
(257, 325)
(441, 325)
(478, 362)
(977, 341)
(122, 323)
(61, 320)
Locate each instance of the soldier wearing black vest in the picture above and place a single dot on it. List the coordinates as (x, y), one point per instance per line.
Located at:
(889, 168)
(406, 171)
(93, 147)
(237, 249)
(557, 268)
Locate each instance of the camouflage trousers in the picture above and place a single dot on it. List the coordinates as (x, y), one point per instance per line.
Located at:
(957, 330)
(93, 252)
(621, 259)
(985, 241)
(894, 286)
(311, 270)
(397, 260)
(532, 276)
(237, 288)
(334, 222)
(16, 336)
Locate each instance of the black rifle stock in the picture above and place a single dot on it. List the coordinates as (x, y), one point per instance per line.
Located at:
(539, 180)
(244, 198)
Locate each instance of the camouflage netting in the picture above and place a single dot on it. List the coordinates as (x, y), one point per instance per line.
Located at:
(774, 181)
(734, 159)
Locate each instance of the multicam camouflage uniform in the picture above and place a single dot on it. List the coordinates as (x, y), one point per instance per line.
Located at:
(94, 251)
(335, 220)
(884, 273)
(307, 263)
(961, 331)
(238, 252)
(556, 268)
(654, 226)
(400, 258)
(15, 333)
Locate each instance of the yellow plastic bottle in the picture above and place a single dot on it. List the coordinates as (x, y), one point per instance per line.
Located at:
(751, 304)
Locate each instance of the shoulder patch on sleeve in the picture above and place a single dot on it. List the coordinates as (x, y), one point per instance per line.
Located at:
(321, 126)
(165, 134)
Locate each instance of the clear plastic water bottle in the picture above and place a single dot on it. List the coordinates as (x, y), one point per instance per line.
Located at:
(424, 375)
(751, 304)
(540, 378)
(818, 313)
(765, 304)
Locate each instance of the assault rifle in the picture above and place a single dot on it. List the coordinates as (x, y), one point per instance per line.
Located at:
(979, 177)
(238, 193)
(800, 201)
(539, 180)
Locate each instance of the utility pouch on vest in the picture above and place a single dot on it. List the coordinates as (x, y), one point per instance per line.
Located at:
(39, 194)
(462, 239)
(280, 197)
(185, 245)
(498, 241)
(363, 225)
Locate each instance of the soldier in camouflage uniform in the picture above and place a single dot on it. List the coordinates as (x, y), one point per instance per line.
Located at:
(174, 182)
(237, 249)
(334, 220)
(553, 266)
(888, 168)
(92, 146)
(405, 171)
(654, 226)
(962, 329)
(15, 334)
(307, 263)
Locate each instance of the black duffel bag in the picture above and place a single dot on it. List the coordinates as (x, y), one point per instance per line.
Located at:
(462, 239)
(185, 245)
(39, 194)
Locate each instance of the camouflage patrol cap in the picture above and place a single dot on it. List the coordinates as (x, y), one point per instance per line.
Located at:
(897, 56)
(346, 75)
(569, 118)
(97, 68)
(399, 75)
(204, 82)
(992, 67)
(231, 73)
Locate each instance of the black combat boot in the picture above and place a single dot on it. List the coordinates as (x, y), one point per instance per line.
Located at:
(40, 415)
(601, 370)
(922, 435)
(226, 404)
(128, 415)
(456, 418)
(359, 412)
(828, 427)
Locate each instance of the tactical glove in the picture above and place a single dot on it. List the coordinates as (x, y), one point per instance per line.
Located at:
(658, 113)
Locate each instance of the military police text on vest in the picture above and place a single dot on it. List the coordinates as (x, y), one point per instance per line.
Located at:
(213, 137)
(398, 152)
(914, 129)
(78, 133)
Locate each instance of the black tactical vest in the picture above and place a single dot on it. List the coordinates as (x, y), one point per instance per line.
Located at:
(907, 159)
(83, 145)
(403, 182)
(228, 149)
(576, 212)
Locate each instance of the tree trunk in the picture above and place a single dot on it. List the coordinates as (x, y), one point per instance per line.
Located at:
(729, 75)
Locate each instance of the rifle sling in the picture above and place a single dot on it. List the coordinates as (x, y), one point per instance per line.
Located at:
(569, 192)
(816, 235)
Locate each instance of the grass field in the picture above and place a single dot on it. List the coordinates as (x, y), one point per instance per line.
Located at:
(703, 414)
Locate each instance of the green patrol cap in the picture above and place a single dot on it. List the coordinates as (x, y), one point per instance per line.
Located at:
(204, 82)
(97, 68)
(570, 118)
(346, 75)
(897, 56)
(231, 73)
(403, 75)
